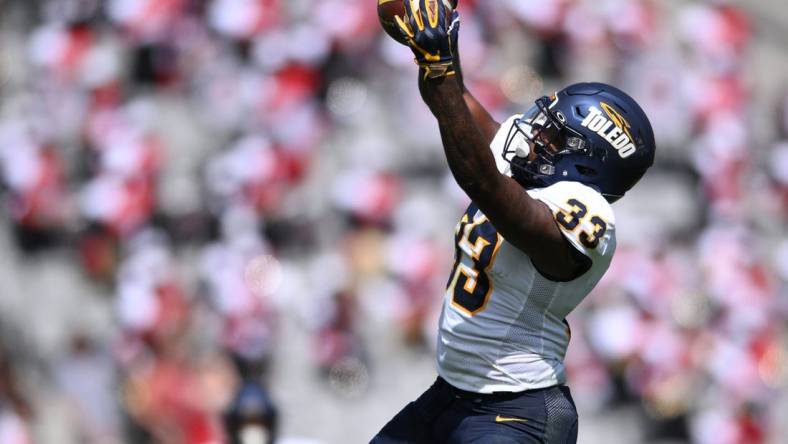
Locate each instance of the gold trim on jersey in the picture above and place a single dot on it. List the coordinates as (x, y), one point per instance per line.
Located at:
(468, 224)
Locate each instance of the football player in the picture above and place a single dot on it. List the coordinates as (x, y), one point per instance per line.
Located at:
(538, 236)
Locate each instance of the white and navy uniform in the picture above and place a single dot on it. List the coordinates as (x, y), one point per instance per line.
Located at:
(503, 332)
(503, 324)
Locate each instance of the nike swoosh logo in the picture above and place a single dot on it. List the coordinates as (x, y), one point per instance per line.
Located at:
(500, 418)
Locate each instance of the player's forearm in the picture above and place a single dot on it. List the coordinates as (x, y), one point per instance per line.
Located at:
(465, 146)
(484, 121)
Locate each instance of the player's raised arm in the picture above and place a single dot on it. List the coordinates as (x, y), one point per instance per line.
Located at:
(523, 221)
(483, 119)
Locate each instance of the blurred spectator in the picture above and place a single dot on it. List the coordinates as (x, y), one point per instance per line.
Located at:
(239, 278)
(251, 417)
(32, 173)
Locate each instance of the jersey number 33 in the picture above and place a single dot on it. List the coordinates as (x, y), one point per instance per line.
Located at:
(477, 244)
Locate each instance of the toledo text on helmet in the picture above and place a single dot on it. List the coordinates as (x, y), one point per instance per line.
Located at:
(613, 128)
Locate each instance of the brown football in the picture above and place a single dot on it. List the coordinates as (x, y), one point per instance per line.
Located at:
(388, 9)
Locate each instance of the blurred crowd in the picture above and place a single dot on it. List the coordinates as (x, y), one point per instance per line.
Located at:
(281, 149)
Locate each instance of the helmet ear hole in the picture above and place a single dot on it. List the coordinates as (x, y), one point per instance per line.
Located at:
(586, 171)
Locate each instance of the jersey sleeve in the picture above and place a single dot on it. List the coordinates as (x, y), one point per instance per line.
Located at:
(584, 216)
(499, 142)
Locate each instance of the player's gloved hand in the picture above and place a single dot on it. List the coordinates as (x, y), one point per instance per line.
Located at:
(431, 34)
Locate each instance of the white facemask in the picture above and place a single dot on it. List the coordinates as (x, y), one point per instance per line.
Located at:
(499, 143)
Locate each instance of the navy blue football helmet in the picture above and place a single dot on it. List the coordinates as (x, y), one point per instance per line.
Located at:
(590, 133)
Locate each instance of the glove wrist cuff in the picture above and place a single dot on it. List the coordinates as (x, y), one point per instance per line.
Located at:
(436, 70)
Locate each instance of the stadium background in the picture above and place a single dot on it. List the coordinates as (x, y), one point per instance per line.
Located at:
(197, 192)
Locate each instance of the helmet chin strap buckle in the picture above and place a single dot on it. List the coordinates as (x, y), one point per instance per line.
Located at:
(547, 170)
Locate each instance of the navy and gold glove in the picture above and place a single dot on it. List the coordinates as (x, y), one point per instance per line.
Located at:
(431, 34)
